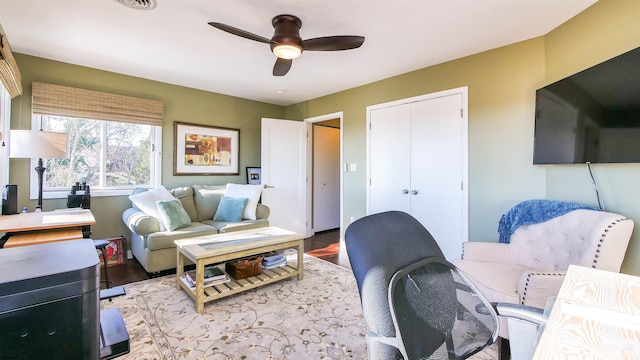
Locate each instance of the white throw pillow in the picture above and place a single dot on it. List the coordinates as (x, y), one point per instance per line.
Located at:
(251, 192)
(146, 200)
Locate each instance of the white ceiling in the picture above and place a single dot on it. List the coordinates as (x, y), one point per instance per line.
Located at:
(174, 44)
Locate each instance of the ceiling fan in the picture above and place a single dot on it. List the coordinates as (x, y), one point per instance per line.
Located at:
(287, 44)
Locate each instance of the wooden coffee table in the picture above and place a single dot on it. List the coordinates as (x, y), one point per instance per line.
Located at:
(219, 248)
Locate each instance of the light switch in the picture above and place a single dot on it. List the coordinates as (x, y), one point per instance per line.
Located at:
(353, 167)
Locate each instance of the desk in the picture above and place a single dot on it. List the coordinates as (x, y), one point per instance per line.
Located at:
(40, 227)
(596, 315)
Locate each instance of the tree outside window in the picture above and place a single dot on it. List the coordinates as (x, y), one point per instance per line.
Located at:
(104, 154)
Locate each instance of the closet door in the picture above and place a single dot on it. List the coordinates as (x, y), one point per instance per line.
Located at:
(417, 163)
(436, 170)
(390, 159)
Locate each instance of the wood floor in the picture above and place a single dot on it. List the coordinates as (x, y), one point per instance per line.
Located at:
(324, 245)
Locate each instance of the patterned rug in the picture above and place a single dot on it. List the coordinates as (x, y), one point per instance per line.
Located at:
(318, 317)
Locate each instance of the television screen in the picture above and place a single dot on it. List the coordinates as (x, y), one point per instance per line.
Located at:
(592, 116)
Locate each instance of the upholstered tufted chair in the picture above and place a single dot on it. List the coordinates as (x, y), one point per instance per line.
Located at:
(530, 268)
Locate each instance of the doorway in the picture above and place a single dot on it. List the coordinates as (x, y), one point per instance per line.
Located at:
(326, 175)
(325, 158)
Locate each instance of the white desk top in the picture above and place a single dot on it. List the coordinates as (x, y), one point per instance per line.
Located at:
(595, 316)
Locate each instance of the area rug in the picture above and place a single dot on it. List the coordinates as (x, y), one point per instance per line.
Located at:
(318, 317)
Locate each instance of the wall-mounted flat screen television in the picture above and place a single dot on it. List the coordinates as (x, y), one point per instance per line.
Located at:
(592, 116)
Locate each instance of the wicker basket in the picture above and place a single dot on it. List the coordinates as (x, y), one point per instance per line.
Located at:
(243, 268)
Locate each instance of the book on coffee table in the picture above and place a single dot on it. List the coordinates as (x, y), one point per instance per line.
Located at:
(212, 275)
(192, 284)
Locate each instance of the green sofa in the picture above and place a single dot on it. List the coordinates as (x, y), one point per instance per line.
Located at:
(153, 245)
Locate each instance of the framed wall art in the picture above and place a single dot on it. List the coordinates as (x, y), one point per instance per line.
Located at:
(205, 150)
(254, 176)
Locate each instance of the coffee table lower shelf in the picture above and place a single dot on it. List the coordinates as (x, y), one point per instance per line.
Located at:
(234, 286)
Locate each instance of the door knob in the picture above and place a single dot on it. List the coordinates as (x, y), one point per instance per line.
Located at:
(268, 186)
(414, 192)
(405, 191)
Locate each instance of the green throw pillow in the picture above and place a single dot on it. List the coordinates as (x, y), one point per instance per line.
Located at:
(230, 209)
(173, 215)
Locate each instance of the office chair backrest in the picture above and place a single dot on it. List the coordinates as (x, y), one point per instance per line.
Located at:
(437, 314)
(395, 245)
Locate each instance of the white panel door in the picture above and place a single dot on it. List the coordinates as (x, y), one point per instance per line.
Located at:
(326, 178)
(389, 159)
(284, 168)
(417, 163)
(436, 170)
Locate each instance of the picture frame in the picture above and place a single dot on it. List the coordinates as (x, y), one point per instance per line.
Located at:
(254, 175)
(205, 150)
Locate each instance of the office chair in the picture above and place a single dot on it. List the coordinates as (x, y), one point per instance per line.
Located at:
(416, 305)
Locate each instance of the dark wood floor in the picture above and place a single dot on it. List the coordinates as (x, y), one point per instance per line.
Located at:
(324, 245)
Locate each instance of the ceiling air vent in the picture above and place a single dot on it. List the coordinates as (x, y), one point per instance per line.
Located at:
(139, 4)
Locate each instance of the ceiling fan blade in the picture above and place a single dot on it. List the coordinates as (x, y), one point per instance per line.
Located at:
(333, 43)
(282, 67)
(239, 32)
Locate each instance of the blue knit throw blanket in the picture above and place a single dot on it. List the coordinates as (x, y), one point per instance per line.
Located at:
(533, 212)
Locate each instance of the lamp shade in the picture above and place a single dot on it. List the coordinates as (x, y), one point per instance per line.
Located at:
(287, 51)
(38, 144)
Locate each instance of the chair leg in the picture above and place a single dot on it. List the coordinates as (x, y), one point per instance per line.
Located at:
(106, 273)
(504, 352)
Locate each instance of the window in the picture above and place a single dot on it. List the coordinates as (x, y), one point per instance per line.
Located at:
(109, 156)
(114, 140)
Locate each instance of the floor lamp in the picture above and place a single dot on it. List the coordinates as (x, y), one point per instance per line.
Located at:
(33, 144)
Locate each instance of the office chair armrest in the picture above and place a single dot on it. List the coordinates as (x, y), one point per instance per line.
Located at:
(535, 287)
(521, 312)
(486, 251)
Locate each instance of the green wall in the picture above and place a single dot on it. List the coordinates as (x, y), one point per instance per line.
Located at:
(180, 104)
(502, 84)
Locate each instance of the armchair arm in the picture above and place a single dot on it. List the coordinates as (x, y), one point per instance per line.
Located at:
(535, 287)
(140, 223)
(486, 251)
(262, 211)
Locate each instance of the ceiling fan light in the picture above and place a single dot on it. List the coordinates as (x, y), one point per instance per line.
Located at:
(287, 51)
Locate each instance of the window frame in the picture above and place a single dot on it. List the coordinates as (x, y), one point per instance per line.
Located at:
(5, 121)
(156, 172)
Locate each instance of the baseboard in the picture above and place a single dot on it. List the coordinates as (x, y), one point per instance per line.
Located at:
(129, 255)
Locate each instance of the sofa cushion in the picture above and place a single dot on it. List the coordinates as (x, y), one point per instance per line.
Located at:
(185, 195)
(496, 281)
(164, 239)
(207, 198)
(251, 192)
(230, 209)
(146, 200)
(173, 214)
(134, 192)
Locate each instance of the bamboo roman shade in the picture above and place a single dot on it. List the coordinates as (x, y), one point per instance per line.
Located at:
(9, 73)
(67, 101)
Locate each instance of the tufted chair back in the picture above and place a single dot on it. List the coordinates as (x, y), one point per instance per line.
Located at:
(530, 268)
(579, 237)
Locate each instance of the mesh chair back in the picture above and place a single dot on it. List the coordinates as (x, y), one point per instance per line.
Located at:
(438, 314)
(379, 247)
